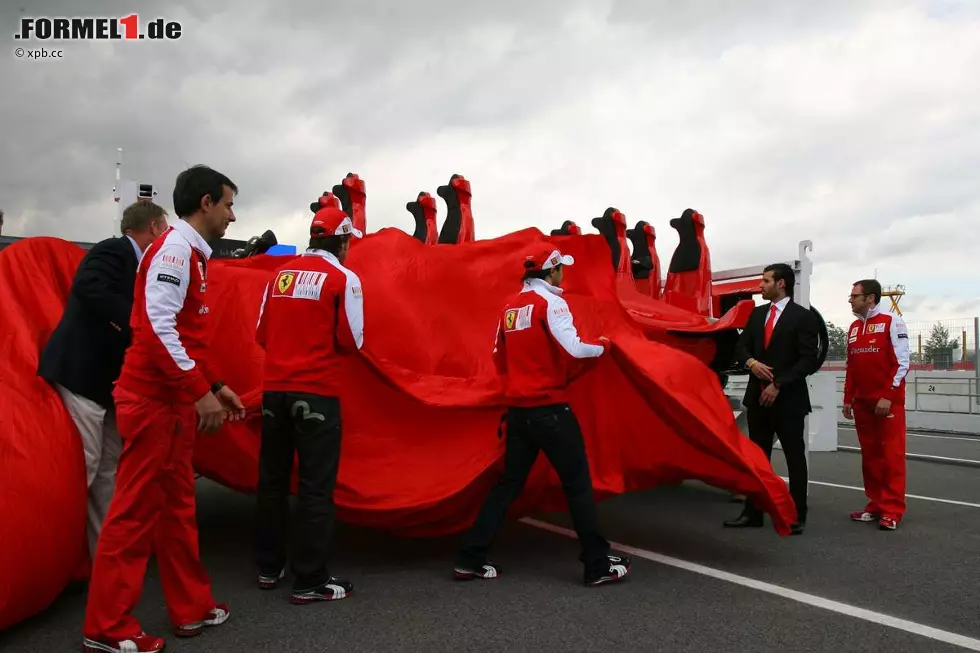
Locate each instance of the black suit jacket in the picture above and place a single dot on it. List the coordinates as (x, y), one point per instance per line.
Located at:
(792, 354)
(85, 352)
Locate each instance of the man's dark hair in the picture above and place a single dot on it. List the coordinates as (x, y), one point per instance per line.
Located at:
(196, 182)
(330, 244)
(870, 287)
(531, 273)
(783, 272)
(140, 215)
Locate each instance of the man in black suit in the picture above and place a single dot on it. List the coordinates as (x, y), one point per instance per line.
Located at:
(779, 347)
(84, 355)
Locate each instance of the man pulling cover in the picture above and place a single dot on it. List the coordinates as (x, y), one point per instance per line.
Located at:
(166, 393)
(312, 312)
(538, 354)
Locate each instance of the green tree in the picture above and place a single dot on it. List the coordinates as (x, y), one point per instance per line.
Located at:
(940, 345)
(836, 342)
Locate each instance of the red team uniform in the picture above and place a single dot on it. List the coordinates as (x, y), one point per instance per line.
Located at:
(306, 360)
(312, 313)
(877, 363)
(153, 510)
(538, 353)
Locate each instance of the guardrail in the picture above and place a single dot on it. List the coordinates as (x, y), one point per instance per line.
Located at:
(941, 392)
(944, 395)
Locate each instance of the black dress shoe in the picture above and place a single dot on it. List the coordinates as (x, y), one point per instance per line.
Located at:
(797, 528)
(744, 521)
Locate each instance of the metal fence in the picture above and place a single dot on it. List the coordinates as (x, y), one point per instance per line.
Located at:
(944, 375)
(944, 343)
(935, 345)
(944, 395)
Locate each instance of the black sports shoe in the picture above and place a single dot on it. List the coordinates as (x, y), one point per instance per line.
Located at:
(332, 590)
(487, 571)
(619, 567)
(270, 581)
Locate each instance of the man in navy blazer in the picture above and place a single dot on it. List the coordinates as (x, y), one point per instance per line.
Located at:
(84, 355)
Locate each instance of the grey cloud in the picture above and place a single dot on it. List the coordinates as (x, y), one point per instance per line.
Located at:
(777, 120)
(709, 27)
(270, 66)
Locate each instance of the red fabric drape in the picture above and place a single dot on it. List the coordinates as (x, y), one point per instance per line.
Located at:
(421, 407)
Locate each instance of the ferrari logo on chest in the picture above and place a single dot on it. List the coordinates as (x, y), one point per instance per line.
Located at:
(284, 281)
(518, 319)
(299, 284)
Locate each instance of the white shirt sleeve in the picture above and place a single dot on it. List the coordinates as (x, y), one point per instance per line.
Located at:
(900, 343)
(167, 279)
(563, 330)
(354, 307)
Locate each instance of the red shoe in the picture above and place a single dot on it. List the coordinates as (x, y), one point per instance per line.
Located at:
(864, 515)
(887, 524)
(142, 643)
(218, 615)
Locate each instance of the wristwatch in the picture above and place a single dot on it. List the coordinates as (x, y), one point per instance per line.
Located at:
(216, 386)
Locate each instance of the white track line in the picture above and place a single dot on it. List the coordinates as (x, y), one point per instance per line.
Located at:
(850, 429)
(944, 437)
(810, 599)
(908, 496)
(912, 455)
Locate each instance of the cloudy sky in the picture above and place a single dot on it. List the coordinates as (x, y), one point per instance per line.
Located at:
(855, 124)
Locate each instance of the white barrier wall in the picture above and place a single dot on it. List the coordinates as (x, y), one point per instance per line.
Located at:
(822, 422)
(934, 400)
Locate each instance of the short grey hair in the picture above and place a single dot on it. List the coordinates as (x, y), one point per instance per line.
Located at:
(139, 215)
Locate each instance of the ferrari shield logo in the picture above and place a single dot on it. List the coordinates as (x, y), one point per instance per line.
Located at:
(299, 284)
(518, 319)
(284, 281)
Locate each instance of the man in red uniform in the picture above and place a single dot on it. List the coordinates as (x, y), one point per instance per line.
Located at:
(874, 397)
(538, 353)
(312, 312)
(165, 393)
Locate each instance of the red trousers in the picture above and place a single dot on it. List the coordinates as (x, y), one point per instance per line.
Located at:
(882, 458)
(152, 511)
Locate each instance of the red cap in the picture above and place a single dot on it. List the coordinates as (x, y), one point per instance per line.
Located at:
(546, 258)
(333, 221)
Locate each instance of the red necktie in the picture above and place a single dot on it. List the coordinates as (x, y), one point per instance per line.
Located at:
(770, 324)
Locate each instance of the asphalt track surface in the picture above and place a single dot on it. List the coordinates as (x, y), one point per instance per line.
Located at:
(925, 574)
(964, 447)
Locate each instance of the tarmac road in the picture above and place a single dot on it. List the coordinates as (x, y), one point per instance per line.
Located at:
(405, 599)
(931, 444)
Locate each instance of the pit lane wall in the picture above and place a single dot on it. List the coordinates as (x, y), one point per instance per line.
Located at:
(941, 401)
(822, 422)
(935, 400)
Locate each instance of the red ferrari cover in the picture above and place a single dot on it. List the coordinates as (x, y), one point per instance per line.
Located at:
(420, 447)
